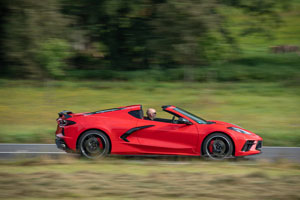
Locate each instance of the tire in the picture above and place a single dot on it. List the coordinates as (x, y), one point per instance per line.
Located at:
(217, 146)
(93, 144)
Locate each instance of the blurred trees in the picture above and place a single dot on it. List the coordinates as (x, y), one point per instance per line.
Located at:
(144, 34)
(26, 26)
(37, 37)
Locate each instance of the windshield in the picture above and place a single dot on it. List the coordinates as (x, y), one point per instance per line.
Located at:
(197, 119)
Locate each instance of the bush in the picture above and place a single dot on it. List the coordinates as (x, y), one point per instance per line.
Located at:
(52, 56)
(264, 68)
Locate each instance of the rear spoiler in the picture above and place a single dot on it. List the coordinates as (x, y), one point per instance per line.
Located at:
(65, 113)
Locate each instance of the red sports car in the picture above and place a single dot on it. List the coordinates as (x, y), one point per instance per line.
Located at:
(125, 130)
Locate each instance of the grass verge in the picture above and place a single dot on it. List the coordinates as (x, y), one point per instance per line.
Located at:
(120, 179)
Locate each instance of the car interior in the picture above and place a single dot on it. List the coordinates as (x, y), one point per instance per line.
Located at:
(140, 115)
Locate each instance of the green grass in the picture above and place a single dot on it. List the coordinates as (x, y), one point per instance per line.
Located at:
(124, 179)
(28, 109)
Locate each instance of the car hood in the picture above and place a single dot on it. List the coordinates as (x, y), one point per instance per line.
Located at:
(224, 123)
(253, 135)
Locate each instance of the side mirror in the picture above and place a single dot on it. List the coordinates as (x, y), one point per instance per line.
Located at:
(182, 120)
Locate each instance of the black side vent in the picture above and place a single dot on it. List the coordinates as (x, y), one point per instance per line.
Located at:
(259, 145)
(130, 131)
(247, 146)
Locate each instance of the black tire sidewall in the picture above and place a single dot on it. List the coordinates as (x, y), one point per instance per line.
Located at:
(102, 136)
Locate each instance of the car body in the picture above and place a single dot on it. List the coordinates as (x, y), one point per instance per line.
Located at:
(125, 130)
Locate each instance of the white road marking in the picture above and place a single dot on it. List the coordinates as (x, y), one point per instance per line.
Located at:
(270, 147)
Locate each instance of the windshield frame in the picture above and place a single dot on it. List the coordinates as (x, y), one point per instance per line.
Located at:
(195, 118)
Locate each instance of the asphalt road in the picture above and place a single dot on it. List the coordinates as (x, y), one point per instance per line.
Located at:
(16, 151)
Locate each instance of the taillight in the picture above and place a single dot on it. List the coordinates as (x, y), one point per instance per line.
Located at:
(63, 123)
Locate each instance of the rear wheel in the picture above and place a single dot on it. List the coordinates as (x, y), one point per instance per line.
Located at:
(217, 146)
(94, 144)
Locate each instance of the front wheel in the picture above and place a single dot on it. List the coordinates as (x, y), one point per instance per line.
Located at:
(217, 146)
(94, 144)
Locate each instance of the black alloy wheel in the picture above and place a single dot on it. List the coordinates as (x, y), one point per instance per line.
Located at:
(217, 146)
(94, 144)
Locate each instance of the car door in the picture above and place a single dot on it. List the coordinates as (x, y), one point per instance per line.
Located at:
(167, 138)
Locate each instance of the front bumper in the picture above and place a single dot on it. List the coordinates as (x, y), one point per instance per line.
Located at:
(250, 147)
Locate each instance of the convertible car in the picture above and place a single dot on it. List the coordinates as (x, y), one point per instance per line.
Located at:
(125, 130)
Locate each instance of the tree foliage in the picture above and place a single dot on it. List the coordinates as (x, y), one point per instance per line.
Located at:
(122, 35)
(27, 25)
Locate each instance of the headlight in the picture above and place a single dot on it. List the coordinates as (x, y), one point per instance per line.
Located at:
(239, 130)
